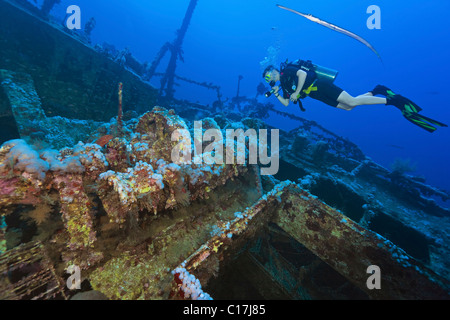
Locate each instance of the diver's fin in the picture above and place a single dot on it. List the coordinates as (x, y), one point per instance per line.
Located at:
(381, 90)
(432, 121)
(423, 121)
(397, 100)
(409, 109)
(402, 103)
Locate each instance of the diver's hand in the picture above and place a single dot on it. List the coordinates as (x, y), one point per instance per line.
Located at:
(295, 96)
(275, 89)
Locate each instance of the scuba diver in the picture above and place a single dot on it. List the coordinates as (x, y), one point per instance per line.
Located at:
(301, 79)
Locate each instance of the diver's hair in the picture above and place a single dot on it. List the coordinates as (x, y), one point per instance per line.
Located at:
(269, 69)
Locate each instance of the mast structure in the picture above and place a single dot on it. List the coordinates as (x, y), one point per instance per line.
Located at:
(176, 51)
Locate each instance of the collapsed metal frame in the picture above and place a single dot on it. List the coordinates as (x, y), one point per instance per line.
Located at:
(338, 241)
(41, 281)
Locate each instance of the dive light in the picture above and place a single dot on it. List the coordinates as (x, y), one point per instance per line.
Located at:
(269, 93)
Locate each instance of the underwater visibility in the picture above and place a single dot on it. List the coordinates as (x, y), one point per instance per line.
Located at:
(224, 150)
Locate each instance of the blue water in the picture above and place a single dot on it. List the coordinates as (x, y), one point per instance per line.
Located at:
(228, 38)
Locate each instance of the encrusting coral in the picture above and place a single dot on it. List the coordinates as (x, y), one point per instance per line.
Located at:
(137, 189)
(75, 209)
(131, 174)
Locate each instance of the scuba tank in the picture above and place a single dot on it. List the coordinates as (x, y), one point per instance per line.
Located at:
(322, 73)
(325, 73)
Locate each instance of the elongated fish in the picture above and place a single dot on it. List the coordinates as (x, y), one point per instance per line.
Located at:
(332, 27)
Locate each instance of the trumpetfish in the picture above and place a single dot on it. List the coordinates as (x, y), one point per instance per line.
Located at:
(333, 27)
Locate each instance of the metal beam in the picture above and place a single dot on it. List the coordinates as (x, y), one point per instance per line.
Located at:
(350, 249)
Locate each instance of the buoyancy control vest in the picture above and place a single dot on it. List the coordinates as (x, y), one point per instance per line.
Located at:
(289, 79)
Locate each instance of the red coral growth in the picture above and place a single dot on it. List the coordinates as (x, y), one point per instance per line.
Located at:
(177, 291)
(104, 140)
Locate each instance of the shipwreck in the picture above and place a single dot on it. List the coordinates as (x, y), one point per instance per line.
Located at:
(101, 193)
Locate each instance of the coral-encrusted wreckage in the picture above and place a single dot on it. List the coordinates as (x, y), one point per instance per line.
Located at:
(106, 197)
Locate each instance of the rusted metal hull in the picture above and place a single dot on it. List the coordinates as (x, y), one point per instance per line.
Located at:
(350, 249)
(338, 241)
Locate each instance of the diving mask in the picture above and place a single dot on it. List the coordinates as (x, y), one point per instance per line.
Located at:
(269, 80)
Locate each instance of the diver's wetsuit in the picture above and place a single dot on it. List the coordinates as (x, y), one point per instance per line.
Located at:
(322, 90)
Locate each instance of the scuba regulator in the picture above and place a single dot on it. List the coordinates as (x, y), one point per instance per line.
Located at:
(300, 104)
